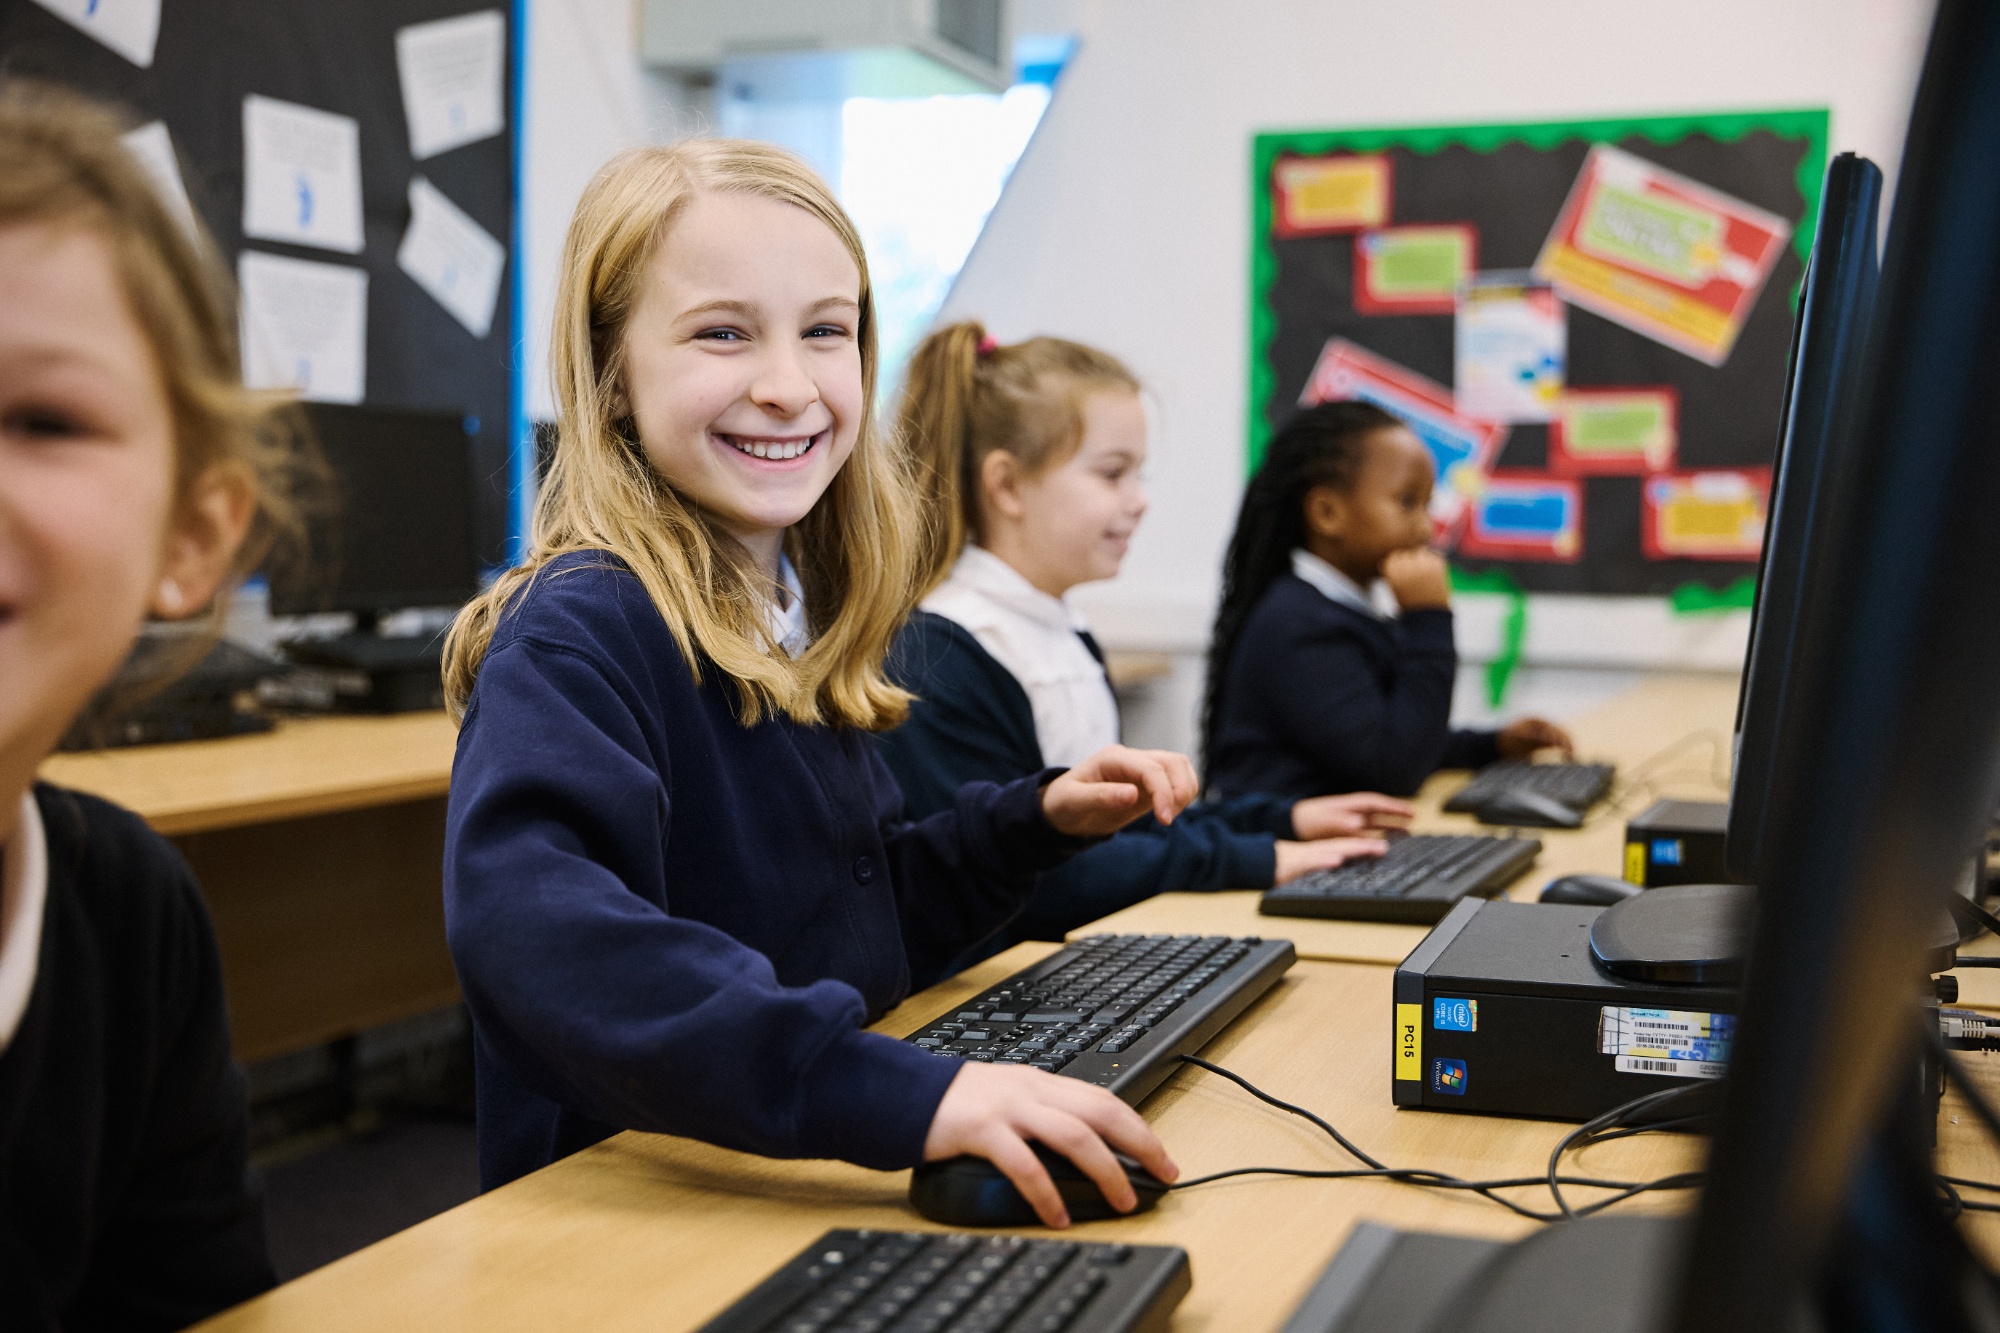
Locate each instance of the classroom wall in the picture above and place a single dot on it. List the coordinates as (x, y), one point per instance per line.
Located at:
(1126, 222)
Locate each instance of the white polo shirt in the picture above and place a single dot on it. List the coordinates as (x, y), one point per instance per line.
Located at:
(24, 890)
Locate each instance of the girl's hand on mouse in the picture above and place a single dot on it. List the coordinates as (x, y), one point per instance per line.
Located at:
(1115, 786)
(1344, 816)
(1520, 740)
(992, 1111)
(1419, 578)
(1299, 858)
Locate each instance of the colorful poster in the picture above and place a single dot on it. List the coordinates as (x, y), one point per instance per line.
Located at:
(1317, 195)
(1525, 516)
(1461, 446)
(1716, 514)
(1511, 343)
(1615, 432)
(1665, 256)
(1413, 270)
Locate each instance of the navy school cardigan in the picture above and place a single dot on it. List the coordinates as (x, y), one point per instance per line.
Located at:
(972, 722)
(665, 920)
(1322, 698)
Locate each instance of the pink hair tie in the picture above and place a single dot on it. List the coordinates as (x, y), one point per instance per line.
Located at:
(988, 345)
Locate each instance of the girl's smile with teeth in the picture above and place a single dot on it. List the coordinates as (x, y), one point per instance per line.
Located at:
(775, 450)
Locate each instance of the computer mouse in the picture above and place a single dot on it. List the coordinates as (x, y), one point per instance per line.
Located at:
(971, 1192)
(1589, 890)
(1529, 809)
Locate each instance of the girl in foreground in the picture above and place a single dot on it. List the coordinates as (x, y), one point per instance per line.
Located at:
(678, 881)
(1032, 454)
(131, 466)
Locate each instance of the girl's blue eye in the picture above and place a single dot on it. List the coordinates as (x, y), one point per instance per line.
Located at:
(826, 331)
(721, 335)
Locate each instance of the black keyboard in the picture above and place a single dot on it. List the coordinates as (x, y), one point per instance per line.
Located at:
(1578, 786)
(1418, 881)
(1114, 1010)
(951, 1282)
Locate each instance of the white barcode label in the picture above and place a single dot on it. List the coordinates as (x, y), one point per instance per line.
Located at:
(1679, 1043)
(1640, 1064)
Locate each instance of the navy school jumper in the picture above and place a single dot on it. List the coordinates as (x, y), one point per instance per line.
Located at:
(665, 920)
(1322, 698)
(972, 722)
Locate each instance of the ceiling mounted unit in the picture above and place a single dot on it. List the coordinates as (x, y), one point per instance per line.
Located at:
(897, 47)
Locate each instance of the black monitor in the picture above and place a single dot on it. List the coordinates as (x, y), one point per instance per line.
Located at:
(396, 530)
(1828, 340)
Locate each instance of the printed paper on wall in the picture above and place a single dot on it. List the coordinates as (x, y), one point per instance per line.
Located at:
(1665, 256)
(1716, 514)
(1460, 446)
(1525, 516)
(129, 27)
(301, 175)
(1413, 270)
(1317, 195)
(1615, 432)
(1511, 343)
(452, 75)
(304, 327)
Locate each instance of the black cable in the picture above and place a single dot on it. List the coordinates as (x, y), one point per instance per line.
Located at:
(1622, 1189)
(1591, 1131)
(1978, 961)
(1955, 1069)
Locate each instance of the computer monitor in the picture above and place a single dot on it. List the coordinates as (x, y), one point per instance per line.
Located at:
(1828, 339)
(396, 530)
(1886, 770)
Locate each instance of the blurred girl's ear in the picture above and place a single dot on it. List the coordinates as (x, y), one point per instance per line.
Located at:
(202, 541)
(1000, 478)
(1325, 511)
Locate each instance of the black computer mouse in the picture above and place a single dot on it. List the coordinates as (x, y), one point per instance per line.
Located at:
(1589, 890)
(1529, 809)
(971, 1192)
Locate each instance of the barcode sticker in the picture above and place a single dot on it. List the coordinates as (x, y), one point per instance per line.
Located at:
(1639, 1064)
(1677, 1043)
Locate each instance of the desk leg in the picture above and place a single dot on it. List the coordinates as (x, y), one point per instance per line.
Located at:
(327, 925)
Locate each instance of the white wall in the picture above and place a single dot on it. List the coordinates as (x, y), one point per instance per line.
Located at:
(1126, 222)
(588, 99)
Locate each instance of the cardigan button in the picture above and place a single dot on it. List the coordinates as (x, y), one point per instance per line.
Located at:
(864, 869)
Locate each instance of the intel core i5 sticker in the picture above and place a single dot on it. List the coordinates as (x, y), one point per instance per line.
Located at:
(1455, 1015)
(1448, 1076)
(1679, 1043)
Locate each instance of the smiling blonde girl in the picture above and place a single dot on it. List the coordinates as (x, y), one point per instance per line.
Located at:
(678, 880)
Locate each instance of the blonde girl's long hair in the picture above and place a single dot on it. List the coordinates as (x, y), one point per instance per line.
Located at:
(965, 396)
(855, 552)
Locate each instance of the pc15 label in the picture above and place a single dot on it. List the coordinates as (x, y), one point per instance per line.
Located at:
(1410, 1042)
(1677, 1043)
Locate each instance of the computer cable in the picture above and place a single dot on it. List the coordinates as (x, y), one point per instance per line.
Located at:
(1425, 1178)
(1644, 777)
(1955, 1070)
(1613, 1124)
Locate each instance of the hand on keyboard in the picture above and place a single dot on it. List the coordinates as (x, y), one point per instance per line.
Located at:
(1519, 740)
(1300, 858)
(991, 1111)
(1115, 786)
(1345, 816)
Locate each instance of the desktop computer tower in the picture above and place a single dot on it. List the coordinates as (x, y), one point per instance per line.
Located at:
(1502, 1011)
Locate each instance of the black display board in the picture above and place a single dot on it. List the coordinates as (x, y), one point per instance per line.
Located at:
(338, 57)
(1510, 183)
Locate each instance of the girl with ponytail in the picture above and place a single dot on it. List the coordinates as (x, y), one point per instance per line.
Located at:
(1313, 685)
(1029, 458)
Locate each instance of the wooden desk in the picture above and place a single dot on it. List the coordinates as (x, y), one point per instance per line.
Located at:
(644, 1232)
(320, 848)
(1694, 714)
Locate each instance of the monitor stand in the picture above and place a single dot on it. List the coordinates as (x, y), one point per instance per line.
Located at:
(374, 674)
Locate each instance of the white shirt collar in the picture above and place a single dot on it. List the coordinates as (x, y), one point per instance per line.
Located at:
(1334, 585)
(24, 890)
(1036, 637)
(788, 620)
(979, 570)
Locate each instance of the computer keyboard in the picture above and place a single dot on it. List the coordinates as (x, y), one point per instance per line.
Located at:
(951, 1282)
(1114, 1010)
(1578, 786)
(1418, 880)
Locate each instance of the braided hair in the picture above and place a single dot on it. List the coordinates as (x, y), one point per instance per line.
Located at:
(1321, 446)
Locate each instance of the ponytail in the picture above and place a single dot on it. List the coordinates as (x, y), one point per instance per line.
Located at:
(964, 396)
(1321, 446)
